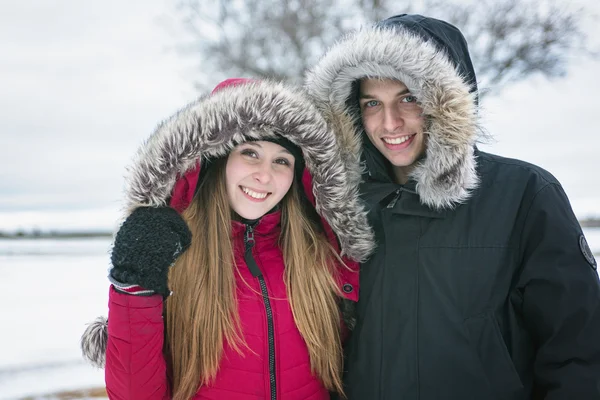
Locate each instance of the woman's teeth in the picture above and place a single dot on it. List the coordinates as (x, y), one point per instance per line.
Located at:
(254, 194)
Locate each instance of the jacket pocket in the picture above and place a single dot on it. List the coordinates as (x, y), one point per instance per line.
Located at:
(486, 340)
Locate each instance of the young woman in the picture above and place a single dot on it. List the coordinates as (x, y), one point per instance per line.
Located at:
(237, 297)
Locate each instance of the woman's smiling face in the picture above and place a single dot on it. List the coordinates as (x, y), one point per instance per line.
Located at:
(258, 175)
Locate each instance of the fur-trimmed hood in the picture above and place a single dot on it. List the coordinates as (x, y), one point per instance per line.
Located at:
(213, 125)
(431, 58)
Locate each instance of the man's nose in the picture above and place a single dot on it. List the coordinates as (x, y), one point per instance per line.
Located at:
(393, 119)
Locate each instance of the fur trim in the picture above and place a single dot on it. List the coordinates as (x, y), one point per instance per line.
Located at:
(448, 173)
(94, 341)
(213, 125)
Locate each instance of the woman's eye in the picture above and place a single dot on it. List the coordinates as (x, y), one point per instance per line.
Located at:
(282, 161)
(410, 99)
(249, 153)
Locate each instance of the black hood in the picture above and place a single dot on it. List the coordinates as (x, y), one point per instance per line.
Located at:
(446, 36)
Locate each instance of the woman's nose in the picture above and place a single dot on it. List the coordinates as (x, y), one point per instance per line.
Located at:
(262, 173)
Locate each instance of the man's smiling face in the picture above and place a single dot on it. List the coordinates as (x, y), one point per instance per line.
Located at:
(393, 121)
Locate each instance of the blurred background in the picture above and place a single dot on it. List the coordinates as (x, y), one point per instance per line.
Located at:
(84, 82)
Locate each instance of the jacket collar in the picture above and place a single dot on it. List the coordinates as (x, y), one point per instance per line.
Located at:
(399, 199)
(268, 224)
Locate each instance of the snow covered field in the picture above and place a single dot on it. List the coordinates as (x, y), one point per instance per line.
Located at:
(49, 290)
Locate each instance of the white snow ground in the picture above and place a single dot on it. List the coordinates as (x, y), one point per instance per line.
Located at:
(49, 290)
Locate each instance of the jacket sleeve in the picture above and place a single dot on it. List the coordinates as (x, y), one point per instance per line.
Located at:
(135, 365)
(561, 299)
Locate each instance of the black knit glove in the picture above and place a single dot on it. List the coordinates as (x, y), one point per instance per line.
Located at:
(146, 245)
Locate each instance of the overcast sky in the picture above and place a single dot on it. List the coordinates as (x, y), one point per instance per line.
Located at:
(84, 82)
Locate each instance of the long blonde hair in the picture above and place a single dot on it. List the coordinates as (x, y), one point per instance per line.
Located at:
(202, 312)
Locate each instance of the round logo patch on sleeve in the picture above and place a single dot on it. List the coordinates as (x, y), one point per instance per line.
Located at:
(587, 252)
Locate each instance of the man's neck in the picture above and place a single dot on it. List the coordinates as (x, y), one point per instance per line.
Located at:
(401, 174)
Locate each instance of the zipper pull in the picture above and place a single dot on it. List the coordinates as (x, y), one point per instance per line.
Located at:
(393, 202)
(250, 261)
(249, 237)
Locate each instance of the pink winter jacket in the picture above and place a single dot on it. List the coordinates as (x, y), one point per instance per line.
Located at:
(136, 368)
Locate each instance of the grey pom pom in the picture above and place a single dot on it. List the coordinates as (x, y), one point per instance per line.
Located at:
(93, 342)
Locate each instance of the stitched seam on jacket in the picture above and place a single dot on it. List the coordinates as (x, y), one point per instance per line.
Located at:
(527, 214)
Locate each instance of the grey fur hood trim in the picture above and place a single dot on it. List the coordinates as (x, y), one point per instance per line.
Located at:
(211, 127)
(447, 174)
(215, 124)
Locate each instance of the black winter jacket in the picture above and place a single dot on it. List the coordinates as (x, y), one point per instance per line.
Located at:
(495, 299)
(482, 286)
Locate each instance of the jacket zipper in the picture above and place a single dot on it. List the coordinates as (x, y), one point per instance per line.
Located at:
(256, 272)
(393, 202)
(398, 192)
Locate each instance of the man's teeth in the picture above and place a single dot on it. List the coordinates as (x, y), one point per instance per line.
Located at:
(397, 140)
(254, 194)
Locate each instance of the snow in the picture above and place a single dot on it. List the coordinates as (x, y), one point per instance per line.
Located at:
(592, 235)
(49, 290)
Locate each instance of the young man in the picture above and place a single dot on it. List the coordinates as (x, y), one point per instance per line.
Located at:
(483, 286)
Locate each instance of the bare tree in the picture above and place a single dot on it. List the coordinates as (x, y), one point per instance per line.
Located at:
(509, 39)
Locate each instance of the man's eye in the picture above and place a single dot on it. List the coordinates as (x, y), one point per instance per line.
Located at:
(371, 103)
(409, 99)
(282, 161)
(249, 153)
